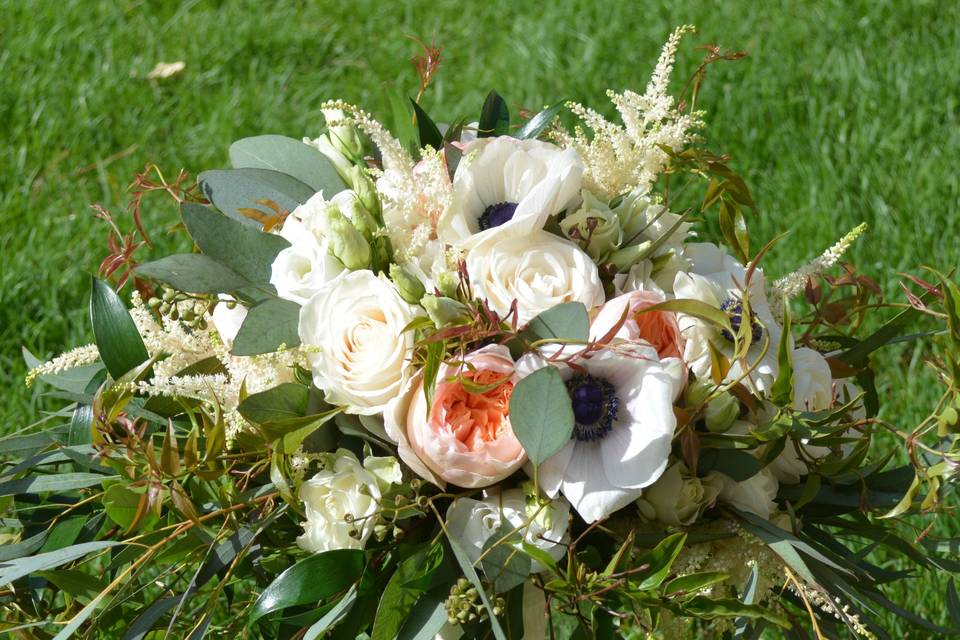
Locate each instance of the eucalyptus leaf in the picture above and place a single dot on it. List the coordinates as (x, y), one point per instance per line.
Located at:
(430, 135)
(240, 247)
(20, 567)
(541, 414)
(411, 579)
(120, 345)
(231, 190)
(43, 483)
(194, 273)
(566, 321)
(292, 157)
(505, 565)
(267, 326)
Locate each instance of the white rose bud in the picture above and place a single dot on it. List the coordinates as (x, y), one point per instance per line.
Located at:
(340, 503)
(721, 412)
(678, 498)
(443, 311)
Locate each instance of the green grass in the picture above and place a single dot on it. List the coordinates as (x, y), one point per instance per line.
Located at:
(843, 112)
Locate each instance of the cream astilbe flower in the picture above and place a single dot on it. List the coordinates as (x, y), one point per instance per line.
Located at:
(618, 158)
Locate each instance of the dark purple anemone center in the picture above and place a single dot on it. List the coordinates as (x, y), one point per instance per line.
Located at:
(734, 310)
(497, 214)
(595, 407)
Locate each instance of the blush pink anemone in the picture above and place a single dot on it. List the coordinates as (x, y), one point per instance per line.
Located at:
(464, 437)
(659, 329)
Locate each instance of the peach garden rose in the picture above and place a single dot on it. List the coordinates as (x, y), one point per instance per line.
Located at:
(464, 437)
(658, 328)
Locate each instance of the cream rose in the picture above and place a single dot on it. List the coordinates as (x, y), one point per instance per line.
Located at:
(464, 437)
(539, 271)
(473, 522)
(355, 323)
(678, 498)
(755, 494)
(344, 490)
(812, 381)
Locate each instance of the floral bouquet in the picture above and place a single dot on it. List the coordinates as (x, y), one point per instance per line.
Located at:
(489, 380)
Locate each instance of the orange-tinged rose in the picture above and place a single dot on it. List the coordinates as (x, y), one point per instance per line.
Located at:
(657, 328)
(464, 437)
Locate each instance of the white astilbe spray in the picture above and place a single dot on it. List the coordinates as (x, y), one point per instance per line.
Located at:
(78, 357)
(618, 158)
(414, 195)
(793, 284)
(178, 345)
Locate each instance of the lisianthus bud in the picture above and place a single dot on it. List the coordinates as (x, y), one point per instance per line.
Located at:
(410, 288)
(340, 162)
(351, 207)
(447, 283)
(343, 135)
(366, 192)
(595, 227)
(346, 243)
(721, 412)
(443, 311)
(697, 392)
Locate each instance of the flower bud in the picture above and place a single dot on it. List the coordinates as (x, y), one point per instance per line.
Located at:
(366, 192)
(346, 242)
(410, 288)
(447, 283)
(721, 412)
(595, 227)
(343, 136)
(443, 311)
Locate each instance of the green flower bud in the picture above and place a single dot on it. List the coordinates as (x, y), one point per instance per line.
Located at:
(625, 258)
(595, 227)
(447, 283)
(443, 311)
(410, 287)
(721, 412)
(346, 242)
(697, 392)
(344, 136)
(366, 192)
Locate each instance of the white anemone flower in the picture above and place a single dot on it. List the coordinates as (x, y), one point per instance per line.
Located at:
(717, 279)
(509, 185)
(622, 402)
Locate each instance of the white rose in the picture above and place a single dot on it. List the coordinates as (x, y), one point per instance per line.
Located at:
(356, 323)
(343, 490)
(812, 381)
(755, 494)
(228, 321)
(473, 522)
(539, 271)
(677, 498)
(300, 270)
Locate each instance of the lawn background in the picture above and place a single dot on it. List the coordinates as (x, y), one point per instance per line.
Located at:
(842, 112)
